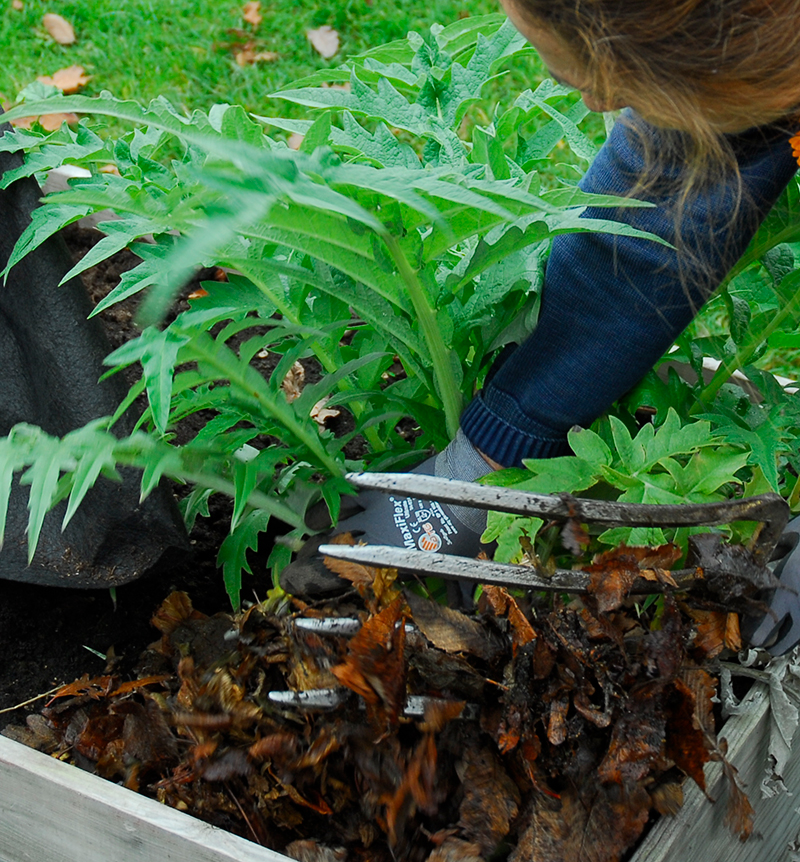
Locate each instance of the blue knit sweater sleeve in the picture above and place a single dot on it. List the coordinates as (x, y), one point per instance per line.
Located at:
(612, 305)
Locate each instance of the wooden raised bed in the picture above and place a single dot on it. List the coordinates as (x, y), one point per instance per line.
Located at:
(55, 812)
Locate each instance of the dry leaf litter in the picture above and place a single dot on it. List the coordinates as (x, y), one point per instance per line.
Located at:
(553, 730)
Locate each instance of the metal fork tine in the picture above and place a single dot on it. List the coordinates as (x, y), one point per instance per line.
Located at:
(447, 566)
(485, 571)
(770, 509)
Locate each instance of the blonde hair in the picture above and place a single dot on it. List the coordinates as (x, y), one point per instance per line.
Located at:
(718, 65)
(702, 68)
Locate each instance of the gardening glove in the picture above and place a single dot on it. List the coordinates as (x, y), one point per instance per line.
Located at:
(377, 518)
(779, 630)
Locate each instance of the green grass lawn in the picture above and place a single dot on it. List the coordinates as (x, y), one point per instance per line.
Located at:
(184, 49)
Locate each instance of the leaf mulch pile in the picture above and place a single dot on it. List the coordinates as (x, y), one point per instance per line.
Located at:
(551, 732)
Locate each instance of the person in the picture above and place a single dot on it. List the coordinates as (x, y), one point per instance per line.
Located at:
(711, 97)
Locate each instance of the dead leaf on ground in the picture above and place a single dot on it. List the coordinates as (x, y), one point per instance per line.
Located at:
(308, 850)
(251, 12)
(455, 850)
(325, 41)
(637, 740)
(320, 413)
(294, 382)
(687, 742)
(597, 826)
(491, 799)
(500, 602)
(375, 663)
(376, 586)
(59, 28)
(452, 631)
(613, 573)
(18, 5)
(739, 816)
(68, 80)
(249, 54)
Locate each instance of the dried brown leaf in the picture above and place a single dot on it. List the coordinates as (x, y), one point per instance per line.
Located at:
(711, 627)
(95, 688)
(637, 740)
(491, 799)
(452, 631)
(598, 825)
(249, 54)
(733, 635)
(687, 743)
(739, 815)
(293, 382)
(251, 12)
(614, 572)
(325, 40)
(500, 602)
(557, 720)
(175, 610)
(308, 850)
(320, 413)
(68, 80)
(667, 798)
(455, 850)
(59, 28)
(375, 663)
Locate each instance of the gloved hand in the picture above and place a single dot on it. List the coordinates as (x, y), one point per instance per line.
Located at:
(390, 519)
(779, 630)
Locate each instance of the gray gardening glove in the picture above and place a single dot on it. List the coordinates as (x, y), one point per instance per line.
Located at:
(389, 519)
(779, 630)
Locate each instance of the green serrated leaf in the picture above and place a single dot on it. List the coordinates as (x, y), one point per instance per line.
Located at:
(232, 554)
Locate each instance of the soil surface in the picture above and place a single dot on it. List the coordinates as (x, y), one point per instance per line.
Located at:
(50, 636)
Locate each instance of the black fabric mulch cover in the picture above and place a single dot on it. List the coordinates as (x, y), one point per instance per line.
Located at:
(50, 361)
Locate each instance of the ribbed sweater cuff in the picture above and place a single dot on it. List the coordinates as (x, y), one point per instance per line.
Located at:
(504, 442)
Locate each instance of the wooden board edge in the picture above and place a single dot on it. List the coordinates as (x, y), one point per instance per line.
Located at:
(46, 806)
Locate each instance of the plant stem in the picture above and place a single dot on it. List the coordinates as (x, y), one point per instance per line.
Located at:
(257, 499)
(746, 351)
(324, 356)
(442, 371)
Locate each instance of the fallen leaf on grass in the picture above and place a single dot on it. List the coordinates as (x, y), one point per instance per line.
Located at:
(18, 5)
(325, 41)
(251, 12)
(68, 80)
(249, 54)
(59, 28)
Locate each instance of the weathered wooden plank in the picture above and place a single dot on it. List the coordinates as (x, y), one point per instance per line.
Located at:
(699, 833)
(55, 812)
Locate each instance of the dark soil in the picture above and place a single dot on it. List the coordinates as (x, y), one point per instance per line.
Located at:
(47, 634)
